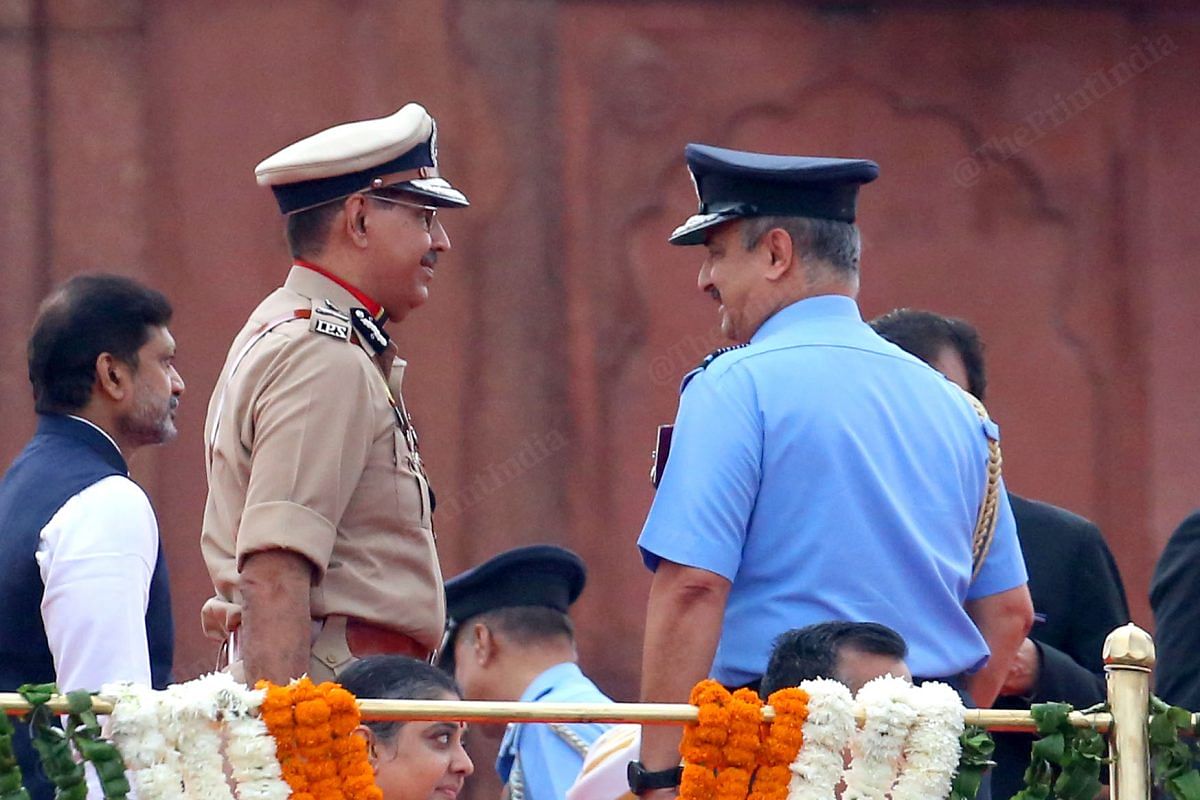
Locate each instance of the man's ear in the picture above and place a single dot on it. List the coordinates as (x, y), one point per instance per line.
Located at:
(354, 219)
(485, 646)
(113, 376)
(778, 246)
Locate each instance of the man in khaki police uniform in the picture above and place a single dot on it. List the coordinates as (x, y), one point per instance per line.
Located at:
(318, 527)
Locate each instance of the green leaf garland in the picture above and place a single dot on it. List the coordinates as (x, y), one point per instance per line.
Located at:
(53, 745)
(977, 749)
(1172, 760)
(1065, 761)
(11, 785)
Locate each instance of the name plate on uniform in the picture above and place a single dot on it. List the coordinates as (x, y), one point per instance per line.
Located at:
(662, 448)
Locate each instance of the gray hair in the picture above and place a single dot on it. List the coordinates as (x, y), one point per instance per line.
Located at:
(837, 244)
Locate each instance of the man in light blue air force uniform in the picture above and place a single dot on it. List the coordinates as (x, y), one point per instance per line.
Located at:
(509, 638)
(817, 472)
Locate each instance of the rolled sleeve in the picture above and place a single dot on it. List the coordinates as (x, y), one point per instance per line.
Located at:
(308, 533)
(702, 509)
(310, 438)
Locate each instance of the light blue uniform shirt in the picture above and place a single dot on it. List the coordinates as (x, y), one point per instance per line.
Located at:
(830, 475)
(547, 762)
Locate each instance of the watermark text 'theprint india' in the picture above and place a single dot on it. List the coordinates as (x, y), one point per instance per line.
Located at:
(534, 450)
(1033, 127)
(669, 366)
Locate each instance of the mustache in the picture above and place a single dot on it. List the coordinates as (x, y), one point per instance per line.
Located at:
(716, 295)
(173, 403)
(429, 259)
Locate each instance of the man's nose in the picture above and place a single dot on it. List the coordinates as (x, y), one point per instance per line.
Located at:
(441, 240)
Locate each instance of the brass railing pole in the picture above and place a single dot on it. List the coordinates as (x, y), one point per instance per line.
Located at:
(477, 711)
(1128, 661)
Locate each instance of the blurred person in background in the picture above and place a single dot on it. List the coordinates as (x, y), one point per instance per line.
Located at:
(412, 760)
(1078, 595)
(86, 595)
(509, 638)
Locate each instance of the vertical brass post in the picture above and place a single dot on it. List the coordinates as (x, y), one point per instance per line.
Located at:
(1128, 661)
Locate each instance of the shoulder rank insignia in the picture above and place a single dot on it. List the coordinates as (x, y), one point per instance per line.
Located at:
(708, 359)
(720, 351)
(328, 320)
(369, 331)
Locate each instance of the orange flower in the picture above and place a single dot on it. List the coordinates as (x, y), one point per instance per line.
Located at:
(782, 740)
(700, 781)
(703, 742)
(320, 756)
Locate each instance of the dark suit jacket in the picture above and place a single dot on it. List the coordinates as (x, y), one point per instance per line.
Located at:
(1175, 598)
(1078, 598)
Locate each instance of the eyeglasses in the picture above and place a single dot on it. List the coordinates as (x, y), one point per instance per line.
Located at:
(430, 212)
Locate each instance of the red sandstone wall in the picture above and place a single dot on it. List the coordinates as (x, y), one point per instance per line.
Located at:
(1037, 173)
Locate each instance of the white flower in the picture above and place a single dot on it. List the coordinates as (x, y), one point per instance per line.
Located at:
(171, 740)
(250, 748)
(192, 717)
(933, 748)
(137, 729)
(827, 731)
(876, 748)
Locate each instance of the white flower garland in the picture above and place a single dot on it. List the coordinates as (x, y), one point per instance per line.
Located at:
(191, 712)
(136, 728)
(878, 746)
(171, 740)
(250, 748)
(933, 748)
(827, 731)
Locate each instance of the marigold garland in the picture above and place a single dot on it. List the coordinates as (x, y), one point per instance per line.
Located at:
(319, 756)
(741, 746)
(702, 746)
(781, 741)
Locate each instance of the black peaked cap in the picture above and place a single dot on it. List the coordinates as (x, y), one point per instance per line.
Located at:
(536, 575)
(737, 183)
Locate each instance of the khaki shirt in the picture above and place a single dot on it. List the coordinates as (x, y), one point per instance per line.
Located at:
(307, 456)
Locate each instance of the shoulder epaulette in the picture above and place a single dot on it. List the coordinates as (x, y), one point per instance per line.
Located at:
(325, 317)
(708, 359)
(720, 351)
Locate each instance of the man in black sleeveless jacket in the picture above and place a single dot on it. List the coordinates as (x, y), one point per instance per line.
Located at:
(86, 597)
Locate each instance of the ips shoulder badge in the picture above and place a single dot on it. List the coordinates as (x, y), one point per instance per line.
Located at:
(328, 320)
(369, 330)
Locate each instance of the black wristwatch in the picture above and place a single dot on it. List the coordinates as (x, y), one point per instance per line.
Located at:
(642, 780)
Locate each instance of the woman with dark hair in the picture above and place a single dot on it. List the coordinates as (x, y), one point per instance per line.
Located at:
(412, 760)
